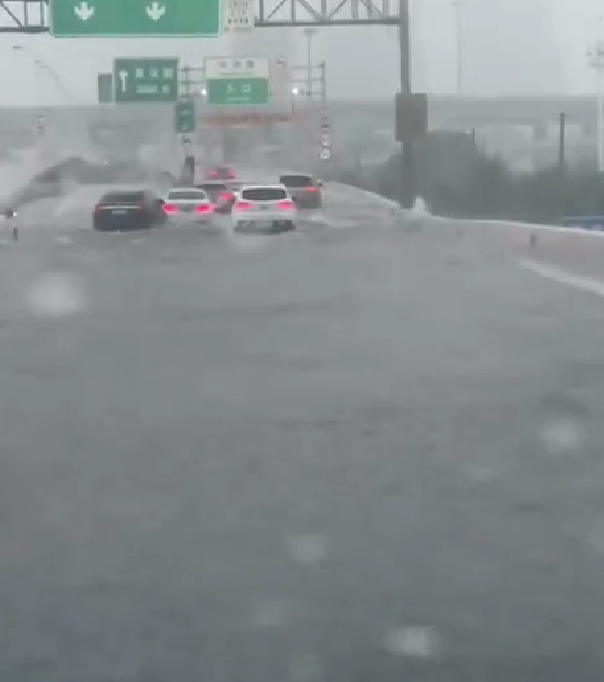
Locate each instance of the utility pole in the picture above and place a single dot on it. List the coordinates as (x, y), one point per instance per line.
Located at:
(187, 81)
(311, 122)
(310, 33)
(407, 156)
(323, 82)
(595, 59)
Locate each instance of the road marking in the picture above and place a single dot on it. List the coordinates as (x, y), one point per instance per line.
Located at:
(551, 272)
(63, 239)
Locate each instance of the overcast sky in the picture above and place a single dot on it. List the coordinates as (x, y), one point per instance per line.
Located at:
(508, 46)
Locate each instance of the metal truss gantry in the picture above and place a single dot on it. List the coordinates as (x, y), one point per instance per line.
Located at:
(31, 16)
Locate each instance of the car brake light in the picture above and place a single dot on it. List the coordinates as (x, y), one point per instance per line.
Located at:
(170, 208)
(242, 206)
(140, 207)
(203, 208)
(225, 196)
(97, 208)
(312, 189)
(286, 205)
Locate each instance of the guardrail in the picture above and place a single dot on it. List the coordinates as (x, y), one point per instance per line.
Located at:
(589, 223)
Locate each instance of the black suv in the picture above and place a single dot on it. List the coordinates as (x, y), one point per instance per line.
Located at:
(128, 210)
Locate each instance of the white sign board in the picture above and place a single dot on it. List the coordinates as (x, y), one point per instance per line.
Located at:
(236, 67)
(325, 154)
(238, 16)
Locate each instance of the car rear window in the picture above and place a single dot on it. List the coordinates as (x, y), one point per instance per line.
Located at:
(187, 195)
(264, 194)
(123, 198)
(213, 190)
(297, 180)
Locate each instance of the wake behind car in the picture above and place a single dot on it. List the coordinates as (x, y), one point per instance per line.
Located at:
(305, 189)
(263, 207)
(128, 210)
(189, 205)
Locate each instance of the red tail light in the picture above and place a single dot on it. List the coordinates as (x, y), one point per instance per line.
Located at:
(286, 205)
(312, 189)
(97, 208)
(242, 206)
(225, 196)
(212, 174)
(140, 207)
(170, 208)
(203, 208)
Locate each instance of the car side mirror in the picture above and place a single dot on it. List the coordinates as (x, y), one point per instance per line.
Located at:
(319, 183)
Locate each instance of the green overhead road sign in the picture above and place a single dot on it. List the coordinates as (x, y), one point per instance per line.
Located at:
(237, 80)
(134, 18)
(105, 88)
(223, 91)
(184, 116)
(146, 79)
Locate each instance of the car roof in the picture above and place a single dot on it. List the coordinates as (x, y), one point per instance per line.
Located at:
(299, 173)
(123, 192)
(264, 185)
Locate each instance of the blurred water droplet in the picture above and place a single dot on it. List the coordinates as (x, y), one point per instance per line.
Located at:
(56, 295)
(595, 536)
(419, 642)
(308, 549)
(269, 613)
(305, 667)
(562, 436)
(481, 473)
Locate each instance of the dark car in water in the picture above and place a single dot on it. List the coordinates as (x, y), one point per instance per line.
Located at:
(128, 210)
(305, 190)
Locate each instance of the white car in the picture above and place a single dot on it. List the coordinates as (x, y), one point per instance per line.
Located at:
(267, 207)
(188, 205)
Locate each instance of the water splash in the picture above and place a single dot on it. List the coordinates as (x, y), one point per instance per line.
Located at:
(57, 294)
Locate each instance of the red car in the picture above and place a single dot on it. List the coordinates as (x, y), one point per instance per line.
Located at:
(220, 173)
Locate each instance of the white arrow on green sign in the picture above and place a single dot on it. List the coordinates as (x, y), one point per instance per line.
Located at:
(134, 18)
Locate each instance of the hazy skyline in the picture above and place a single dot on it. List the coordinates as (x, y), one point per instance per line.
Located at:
(508, 46)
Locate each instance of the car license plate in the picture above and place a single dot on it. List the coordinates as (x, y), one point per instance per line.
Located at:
(263, 207)
(119, 211)
(187, 209)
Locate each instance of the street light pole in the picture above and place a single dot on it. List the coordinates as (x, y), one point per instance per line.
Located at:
(595, 59)
(457, 4)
